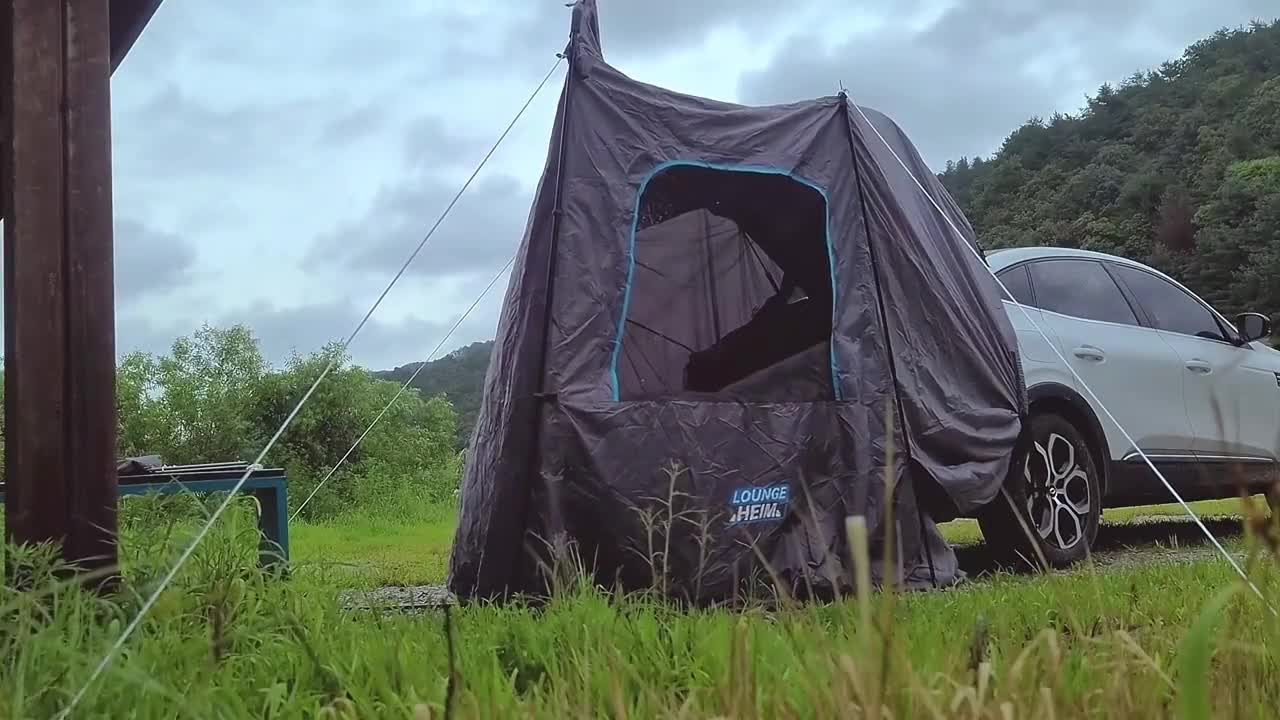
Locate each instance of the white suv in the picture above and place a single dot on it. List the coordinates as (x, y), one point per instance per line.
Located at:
(1199, 395)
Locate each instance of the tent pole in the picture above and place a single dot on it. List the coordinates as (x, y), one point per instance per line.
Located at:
(541, 396)
(711, 277)
(884, 323)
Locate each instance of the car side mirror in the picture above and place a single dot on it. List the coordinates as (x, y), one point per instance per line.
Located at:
(1253, 326)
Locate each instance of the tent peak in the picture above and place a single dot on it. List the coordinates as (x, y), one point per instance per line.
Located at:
(584, 29)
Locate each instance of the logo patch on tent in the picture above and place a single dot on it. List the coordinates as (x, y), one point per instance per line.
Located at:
(753, 504)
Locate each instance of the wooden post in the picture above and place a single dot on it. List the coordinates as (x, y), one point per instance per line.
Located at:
(58, 279)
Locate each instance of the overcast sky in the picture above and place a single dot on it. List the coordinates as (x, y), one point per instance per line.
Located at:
(276, 161)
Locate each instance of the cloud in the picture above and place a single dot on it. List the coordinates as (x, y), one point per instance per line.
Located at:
(429, 144)
(960, 79)
(387, 339)
(652, 28)
(480, 233)
(304, 329)
(355, 123)
(149, 262)
(275, 163)
(282, 331)
(190, 137)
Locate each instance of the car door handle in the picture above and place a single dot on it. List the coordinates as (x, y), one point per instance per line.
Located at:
(1199, 366)
(1089, 352)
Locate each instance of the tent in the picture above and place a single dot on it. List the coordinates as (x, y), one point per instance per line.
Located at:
(721, 323)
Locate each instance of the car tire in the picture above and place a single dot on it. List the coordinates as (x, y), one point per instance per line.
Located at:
(1053, 482)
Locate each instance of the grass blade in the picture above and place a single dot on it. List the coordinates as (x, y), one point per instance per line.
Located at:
(1196, 655)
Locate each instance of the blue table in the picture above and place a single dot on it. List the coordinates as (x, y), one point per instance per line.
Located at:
(269, 487)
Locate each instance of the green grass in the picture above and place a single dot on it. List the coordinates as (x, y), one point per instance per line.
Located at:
(1142, 641)
(370, 552)
(374, 552)
(966, 532)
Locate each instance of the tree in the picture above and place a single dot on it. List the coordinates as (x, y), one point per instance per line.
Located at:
(214, 398)
(1243, 241)
(1175, 168)
(191, 405)
(408, 457)
(458, 376)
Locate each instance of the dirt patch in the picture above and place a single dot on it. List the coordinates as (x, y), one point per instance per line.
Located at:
(1143, 540)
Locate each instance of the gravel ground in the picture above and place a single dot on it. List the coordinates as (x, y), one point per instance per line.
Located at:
(420, 597)
(1142, 541)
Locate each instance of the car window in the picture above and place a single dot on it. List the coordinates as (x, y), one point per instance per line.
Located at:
(1170, 307)
(1080, 288)
(1018, 284)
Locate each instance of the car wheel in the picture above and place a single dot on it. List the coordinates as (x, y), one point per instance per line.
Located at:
(1053, 483)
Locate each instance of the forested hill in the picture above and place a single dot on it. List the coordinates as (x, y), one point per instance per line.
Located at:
(458, 375)
(1179, 167)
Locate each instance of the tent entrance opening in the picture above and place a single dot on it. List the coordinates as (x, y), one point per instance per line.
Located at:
(731, 289)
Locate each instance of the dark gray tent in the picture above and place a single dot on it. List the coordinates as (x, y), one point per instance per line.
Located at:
(743, 294)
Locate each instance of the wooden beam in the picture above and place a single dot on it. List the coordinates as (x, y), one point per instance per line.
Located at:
(128, 19)
(90, 284)
(58, 280)
(35, 470)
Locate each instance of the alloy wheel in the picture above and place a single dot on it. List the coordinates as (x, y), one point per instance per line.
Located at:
(1058, 492)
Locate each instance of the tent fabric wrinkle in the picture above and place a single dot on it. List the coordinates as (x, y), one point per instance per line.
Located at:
(751, 307)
